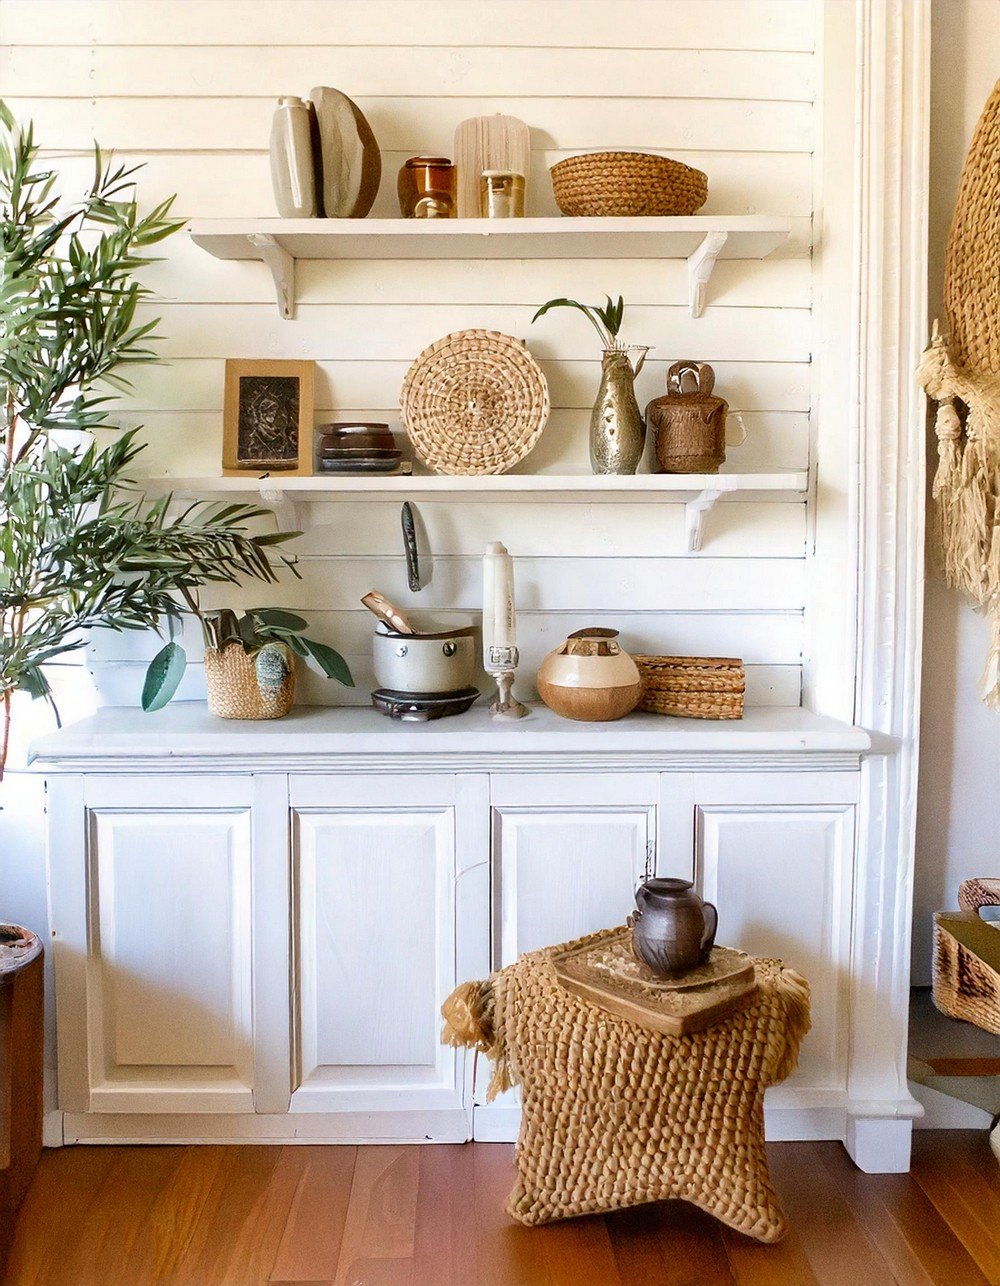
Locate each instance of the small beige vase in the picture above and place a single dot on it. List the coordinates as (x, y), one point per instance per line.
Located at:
(233, 689)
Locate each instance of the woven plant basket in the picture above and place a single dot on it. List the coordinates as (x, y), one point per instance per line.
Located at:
(967, 958)
(233, 690)
(627, 185)
(475, 402)
(692, 687)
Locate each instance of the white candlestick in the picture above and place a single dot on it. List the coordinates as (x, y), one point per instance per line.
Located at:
(499, 619)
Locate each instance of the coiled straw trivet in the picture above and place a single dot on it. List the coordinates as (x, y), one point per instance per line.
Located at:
(475, 402)
(614, 1114)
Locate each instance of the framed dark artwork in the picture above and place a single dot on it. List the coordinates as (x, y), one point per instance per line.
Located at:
(267, 425)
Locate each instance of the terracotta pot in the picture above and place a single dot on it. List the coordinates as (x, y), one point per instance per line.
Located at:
(590, 678)
(673, 930)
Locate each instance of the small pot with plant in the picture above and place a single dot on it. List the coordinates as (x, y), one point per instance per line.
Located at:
(249, 663)
(617, 430)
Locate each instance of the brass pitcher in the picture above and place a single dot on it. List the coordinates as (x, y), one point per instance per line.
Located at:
(617, 431)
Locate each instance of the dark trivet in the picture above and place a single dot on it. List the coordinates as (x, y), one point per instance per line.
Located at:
(418, 707)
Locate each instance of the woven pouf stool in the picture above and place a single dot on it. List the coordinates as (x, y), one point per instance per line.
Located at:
(614, 1114)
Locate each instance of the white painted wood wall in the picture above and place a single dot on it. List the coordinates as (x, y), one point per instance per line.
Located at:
(187, 87)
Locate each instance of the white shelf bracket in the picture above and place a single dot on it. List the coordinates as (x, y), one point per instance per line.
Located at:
(282, 267)
(286, 511)
(701, 264)
(695, 512)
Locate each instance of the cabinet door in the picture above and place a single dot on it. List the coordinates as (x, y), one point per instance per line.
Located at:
(568, 852)
(153, 969)
(777, 860)
(384, 908)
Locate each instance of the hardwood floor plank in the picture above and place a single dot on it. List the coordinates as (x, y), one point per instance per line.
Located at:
(65, 1185)
(179, 1215)
(255, 1249)
(837, 1246)
(903, 1224)
(444, 1241)
(114, 1231)
(753, 1264)
(310, 1243)
(243, 1181)
(669, 1244)
(966, 1196)
(377, 1246)
(507, 1253)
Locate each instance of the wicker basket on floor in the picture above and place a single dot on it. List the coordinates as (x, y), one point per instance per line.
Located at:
(967, 958)
(627, 185)
(693, 687)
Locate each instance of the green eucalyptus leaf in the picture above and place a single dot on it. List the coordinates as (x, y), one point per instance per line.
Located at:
(274, 616)
(330, 662)
(163, 675)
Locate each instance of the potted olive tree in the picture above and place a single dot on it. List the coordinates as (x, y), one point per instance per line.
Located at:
(80, 546)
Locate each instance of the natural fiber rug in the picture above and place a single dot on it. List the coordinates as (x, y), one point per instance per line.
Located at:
(614, 1114)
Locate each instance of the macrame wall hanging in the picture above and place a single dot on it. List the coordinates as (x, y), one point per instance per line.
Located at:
(961, 373)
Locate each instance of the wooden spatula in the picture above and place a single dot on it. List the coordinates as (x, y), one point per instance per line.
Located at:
(387, 612)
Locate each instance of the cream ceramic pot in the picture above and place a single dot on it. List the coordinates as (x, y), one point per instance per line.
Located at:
(425, 663)
(590, 678)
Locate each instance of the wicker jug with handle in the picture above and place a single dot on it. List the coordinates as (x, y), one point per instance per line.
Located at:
(689, 423)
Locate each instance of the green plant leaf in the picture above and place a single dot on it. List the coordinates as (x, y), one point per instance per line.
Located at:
(164, 674)
(273, 616)
(330, 662)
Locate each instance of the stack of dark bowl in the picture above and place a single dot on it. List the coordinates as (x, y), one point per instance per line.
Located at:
(358, 448)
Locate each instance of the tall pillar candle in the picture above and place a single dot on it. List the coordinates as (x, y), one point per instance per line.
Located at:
(499, 621)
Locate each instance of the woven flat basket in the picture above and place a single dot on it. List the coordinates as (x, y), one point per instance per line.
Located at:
(233, 691)
(627, 185)
(475, 402)
(693, 687)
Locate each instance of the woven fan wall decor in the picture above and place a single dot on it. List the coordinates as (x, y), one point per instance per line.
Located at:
(475, 402)
(962, 374)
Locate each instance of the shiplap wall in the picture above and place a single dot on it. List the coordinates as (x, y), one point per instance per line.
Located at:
(188, 88)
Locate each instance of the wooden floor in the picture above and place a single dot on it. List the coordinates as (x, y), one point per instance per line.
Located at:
(433, 1216)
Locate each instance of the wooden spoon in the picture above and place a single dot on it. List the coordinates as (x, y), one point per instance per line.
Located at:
(387, 612)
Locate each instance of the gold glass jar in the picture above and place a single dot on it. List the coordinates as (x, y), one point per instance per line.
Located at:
(501, 194)
(426, 188)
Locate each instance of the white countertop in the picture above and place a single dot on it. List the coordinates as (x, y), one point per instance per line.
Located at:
(186, 731)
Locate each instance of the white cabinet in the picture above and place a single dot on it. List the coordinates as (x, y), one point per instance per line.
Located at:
(262, 953)
(151, 933)
(385, 904)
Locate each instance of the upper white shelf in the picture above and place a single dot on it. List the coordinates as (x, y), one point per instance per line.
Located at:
(698, 492)
(700, 239)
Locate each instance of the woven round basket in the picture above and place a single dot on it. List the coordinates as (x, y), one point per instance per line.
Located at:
(627, 185)
(474, 402)
(692, 687)
(233, 691)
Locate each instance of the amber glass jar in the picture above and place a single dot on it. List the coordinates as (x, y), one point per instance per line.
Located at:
(426, 188)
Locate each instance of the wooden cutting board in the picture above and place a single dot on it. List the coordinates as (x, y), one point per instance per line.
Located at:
(610, 976)
(488, 143)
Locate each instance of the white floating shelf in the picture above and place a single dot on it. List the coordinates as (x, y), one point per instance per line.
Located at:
(698, 492)
(700, 239)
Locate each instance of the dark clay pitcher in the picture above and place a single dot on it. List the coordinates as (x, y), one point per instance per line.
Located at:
(673, 929)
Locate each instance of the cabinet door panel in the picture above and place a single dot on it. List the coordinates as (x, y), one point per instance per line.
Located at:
(169, 976)
(562, 873)
(375, 931)
(781, 879)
